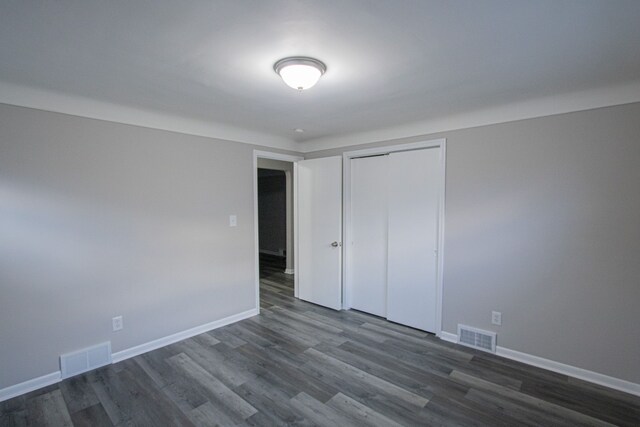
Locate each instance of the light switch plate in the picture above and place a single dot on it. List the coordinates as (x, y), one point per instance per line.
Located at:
(233, 221)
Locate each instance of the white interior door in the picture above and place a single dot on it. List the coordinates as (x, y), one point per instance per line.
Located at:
(413, 238)
(368, 263)
(320, 231)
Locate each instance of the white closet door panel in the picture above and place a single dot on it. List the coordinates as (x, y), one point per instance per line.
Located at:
(369, 234)
(320, 231)
(413, 236)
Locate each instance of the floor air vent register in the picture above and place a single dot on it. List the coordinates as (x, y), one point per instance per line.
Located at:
(85, 360)
(477, 338)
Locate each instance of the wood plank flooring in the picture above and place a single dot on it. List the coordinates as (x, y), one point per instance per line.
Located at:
(300, 364)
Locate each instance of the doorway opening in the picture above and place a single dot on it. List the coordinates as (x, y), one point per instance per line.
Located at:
(274, 201)
(275, 226)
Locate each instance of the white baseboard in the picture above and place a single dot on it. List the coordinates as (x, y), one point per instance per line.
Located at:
(446, 336)
(54, 377)
(29, 385)
(572, 371)
(561, 368)
(170, 339)
(289, 271)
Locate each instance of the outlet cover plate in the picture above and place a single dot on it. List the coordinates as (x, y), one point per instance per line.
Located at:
(496, 318)
(117, 323)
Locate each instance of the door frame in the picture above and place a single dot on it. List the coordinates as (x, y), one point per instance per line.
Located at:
(258, 154)
(346, 207)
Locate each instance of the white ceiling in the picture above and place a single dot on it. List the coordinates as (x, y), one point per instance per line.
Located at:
(390, 63)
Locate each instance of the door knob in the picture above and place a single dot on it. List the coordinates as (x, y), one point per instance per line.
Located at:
(335, 244)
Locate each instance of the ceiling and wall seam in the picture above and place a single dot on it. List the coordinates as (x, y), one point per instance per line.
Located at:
(38, 99)
(533, 108)
(23, 96)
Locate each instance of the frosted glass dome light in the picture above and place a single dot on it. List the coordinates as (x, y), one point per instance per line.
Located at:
(300, 72)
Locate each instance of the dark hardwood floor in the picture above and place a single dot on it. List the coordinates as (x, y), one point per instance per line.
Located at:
(300, 364)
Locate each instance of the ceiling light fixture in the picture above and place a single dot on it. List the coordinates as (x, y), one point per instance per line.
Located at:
(300, 72)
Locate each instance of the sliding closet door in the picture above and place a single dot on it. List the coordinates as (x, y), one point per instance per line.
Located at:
(369, 234)
(413, 238)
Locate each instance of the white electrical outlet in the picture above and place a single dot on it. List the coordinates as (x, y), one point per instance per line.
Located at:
(233, 221)
(117, 323)
(496, 318)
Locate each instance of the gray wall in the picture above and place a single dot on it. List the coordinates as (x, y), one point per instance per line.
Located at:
(543, 224)
(99, 219)
(272, 210)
